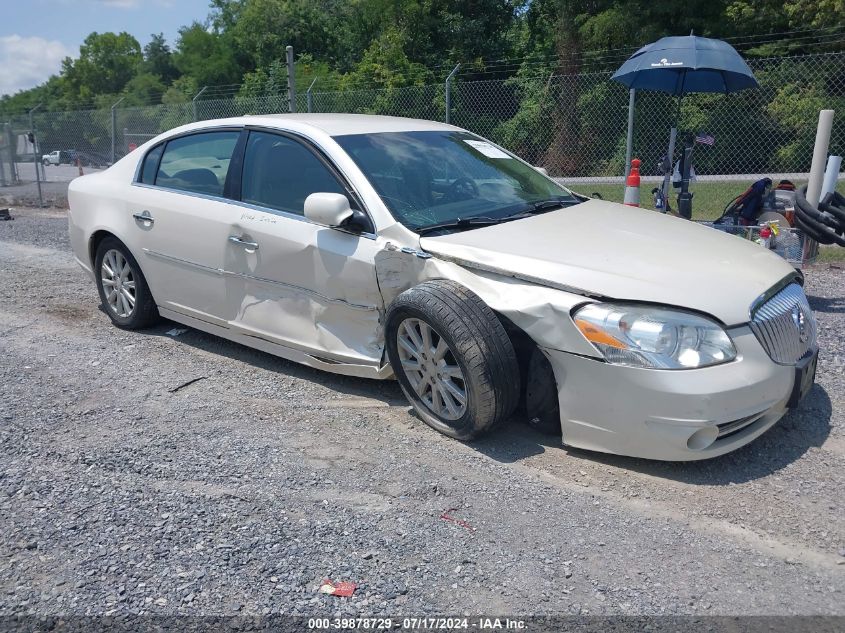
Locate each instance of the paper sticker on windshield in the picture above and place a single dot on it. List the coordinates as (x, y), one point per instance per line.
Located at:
(490, 151)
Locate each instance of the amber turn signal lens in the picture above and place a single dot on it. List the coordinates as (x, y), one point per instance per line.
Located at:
(595, 335)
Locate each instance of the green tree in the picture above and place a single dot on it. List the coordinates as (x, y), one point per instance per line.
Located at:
(204, 56)
(265, 27)
(106, 63)
(144, 89)
(158, 59)
(385, 64)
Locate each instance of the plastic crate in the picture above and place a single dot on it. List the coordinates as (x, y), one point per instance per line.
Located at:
(789, 243)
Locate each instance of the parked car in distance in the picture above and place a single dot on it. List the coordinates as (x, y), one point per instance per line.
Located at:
(55, 158)
(87, 159)
(387, 247)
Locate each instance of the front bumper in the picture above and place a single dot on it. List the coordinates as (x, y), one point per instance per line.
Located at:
(671, 415)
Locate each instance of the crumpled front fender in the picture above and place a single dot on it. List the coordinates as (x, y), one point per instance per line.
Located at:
(543, 313)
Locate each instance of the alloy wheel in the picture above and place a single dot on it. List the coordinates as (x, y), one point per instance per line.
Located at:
(432, 369)
(118, 282)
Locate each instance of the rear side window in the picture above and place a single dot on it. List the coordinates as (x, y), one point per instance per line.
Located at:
(197, 163)
(280, 173)
(148, 171)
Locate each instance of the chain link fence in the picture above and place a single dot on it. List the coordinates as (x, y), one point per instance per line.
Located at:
(573, 125)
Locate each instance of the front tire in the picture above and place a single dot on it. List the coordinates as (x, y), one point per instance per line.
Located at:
(123, 290)
(452, 358)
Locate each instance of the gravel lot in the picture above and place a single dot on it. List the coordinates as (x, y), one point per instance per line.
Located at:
(239, 493)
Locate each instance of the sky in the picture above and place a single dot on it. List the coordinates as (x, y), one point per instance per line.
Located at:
(35, 35)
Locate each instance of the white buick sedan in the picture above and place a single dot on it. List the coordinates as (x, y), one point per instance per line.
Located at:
(386, 247)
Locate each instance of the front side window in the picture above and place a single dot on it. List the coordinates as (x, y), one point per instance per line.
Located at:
(279, 173)
(197, 163)
(439, 177)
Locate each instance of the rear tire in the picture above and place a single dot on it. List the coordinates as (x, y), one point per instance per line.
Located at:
(452, 358)
(124, 293)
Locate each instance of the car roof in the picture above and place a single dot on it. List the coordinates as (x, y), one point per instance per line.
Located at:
(343, 124)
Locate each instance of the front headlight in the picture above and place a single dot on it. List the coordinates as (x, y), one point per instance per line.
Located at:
(658, 338)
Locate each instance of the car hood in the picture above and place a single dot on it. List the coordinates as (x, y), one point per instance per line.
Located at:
(614, 251)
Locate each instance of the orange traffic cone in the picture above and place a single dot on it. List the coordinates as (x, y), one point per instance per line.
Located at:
(632, 185)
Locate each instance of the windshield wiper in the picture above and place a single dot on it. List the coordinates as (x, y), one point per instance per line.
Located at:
(531, 208)
(541, 206)
(460, 223)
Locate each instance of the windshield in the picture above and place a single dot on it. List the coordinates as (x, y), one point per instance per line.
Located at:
(434, 178)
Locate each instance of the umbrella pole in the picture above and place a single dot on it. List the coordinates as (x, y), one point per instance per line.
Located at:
(670, 155)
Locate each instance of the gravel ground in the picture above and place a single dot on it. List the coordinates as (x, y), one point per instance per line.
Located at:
(239, 493)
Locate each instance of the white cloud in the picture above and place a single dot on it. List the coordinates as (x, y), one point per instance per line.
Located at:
(28, 61)
(120, 4)
(131, 4)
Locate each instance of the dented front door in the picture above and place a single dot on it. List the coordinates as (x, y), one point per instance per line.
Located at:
(304, 286)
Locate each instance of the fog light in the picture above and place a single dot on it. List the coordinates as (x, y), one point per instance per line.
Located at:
(702, 438)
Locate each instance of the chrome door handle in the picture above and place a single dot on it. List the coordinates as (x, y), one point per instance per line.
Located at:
(245, 243)
(144, 217)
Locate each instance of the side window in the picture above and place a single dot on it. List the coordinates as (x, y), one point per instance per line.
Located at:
(148, 171)
(197, 163)
(280, 173)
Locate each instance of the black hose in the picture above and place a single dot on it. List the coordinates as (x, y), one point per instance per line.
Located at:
(834, 203)
(822, 226)
(810, 232)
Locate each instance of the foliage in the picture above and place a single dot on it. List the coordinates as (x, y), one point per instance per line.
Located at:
(204, 56)
(158, 59)
(106, 63)
(534, 73)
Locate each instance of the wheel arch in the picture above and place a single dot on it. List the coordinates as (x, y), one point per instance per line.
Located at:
(535, 377)
(96, 239)
(525, 348)
(94, 242)
(101, 233)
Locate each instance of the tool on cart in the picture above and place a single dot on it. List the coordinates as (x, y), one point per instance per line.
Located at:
(747, 206)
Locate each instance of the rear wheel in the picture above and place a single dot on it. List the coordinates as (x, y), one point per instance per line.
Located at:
(452, 358)
(123, 290)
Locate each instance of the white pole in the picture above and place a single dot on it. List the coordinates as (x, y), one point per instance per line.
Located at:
(629, 139)
(831, 174)
(814, 186)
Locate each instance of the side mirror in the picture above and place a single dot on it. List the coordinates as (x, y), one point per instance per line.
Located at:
(329, 209)
(542, 170)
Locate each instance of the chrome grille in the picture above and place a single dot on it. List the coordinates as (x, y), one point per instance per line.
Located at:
(785, 325)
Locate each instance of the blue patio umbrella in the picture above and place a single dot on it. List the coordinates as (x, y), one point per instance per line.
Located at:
(681, 65)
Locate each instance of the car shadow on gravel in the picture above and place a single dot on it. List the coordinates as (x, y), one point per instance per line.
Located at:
(799, 430)
(787, 441)
(386, 391)
(830, 305)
